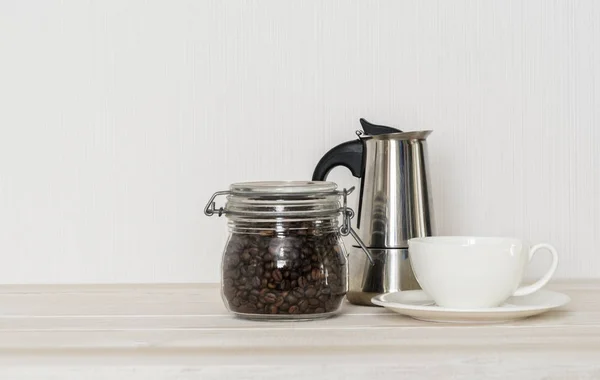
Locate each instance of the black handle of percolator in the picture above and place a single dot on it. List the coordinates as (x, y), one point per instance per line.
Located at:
(349, 154)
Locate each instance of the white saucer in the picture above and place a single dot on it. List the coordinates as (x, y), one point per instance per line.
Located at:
(417, 304)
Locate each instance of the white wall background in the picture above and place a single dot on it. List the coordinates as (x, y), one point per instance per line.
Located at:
(118, 119)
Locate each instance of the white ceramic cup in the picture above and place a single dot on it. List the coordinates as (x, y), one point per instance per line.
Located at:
(474, 272)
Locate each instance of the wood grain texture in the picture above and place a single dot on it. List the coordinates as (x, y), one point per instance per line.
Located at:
(119, 119)
(167, 332)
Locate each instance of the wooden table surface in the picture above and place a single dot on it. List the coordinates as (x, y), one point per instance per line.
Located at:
(184, 332)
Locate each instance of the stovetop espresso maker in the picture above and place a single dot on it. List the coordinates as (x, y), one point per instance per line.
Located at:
(394, 205)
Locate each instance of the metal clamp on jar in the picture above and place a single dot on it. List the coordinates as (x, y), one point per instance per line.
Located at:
(284, 258)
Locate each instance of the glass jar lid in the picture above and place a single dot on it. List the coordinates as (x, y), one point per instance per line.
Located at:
(292, 200)
(282, 187)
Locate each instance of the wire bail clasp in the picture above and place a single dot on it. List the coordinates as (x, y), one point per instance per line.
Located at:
(346, 228)
(210, 208)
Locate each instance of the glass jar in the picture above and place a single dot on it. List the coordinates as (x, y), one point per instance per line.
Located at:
(284, 258)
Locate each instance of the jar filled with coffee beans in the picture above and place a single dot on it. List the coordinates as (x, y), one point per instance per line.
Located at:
(284, 258)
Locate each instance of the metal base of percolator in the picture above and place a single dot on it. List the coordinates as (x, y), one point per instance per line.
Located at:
(390, 272)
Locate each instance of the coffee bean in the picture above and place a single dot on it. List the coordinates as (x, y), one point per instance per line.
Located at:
(233, 274)
(229, 292)
(291, 299)
(232, 260)
(247, 308)
(303, 305)
(302, 282)
(298, 292)
(311, 291)
(316, 274)
(277, 275)
(301, 270)
(279, 301)
(234, 245)
(284, 285)
(270, 298)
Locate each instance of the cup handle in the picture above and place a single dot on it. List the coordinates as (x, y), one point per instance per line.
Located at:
(524, 290)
